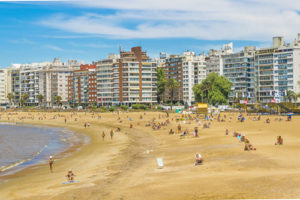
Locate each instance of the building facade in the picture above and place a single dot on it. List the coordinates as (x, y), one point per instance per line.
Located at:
(188, 70)
(131, 78)
(3, 83)
(82, 86)
(239, 68)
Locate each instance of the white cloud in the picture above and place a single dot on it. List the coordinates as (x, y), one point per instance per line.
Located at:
(22, 41)
(53, 47)
(256, 20)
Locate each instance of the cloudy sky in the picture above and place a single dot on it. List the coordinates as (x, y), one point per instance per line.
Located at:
(89, 30)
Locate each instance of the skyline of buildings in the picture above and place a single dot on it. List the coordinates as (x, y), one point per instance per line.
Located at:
(260, 74)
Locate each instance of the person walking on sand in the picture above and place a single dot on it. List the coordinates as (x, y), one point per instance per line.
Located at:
(65, 120)
(51, 162)
(103, 135)
(111, 134)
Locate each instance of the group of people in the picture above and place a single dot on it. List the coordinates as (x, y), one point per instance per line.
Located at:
(242, 138)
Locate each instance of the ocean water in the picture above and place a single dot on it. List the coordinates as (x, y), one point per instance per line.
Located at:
(23, 145)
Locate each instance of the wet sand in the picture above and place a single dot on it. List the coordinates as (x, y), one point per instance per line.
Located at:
(125, 167)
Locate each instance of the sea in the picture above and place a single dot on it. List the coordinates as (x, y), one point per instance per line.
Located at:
(22, 146)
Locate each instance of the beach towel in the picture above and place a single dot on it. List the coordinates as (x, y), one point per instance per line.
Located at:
(68, 182)
(160, 163)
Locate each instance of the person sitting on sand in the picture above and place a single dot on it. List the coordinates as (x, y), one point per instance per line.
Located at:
(268, 121)
(70, 175)
(131, 126)
(235, 134)
(258, 119)
(249, 147)
(171, 131)
(185, 132)
(198, 159)
(226, 132)
(279, 141)
(243, 138)
(51, 162)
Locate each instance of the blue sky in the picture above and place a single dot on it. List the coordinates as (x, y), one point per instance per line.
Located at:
(89, 30)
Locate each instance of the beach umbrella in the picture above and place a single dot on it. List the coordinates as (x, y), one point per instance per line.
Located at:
(290, 114)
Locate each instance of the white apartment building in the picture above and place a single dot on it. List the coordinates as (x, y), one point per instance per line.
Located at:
(240, 70)
(29, 81)
(104, 79)
(194, 71)
(3, 83)
(54, 82)
(214, 61)
(277, 70)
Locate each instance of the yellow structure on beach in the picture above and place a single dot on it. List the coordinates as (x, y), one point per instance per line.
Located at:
(202, 108)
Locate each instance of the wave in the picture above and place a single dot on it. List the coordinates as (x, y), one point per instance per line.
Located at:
(4, 168)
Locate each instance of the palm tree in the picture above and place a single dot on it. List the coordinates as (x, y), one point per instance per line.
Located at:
(24, 98)
(291, 95)
(57, 99)
(10, 97)
(172, 84)
(40, 98)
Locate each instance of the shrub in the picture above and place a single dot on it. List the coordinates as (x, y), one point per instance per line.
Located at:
(111, 109)
(123, 107)
(140, 106)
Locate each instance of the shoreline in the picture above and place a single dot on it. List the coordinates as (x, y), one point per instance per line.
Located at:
(78, 161)
(38, 159)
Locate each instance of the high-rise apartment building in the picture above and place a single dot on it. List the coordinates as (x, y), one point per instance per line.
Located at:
(82, 86)
(132, 76)
(240, 70)
(277, 70)
(3, 83)
(104, 79)
(54, 82)
(214, 61)
(187, 70)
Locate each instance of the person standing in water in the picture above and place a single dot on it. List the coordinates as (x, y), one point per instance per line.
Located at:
(51, 162)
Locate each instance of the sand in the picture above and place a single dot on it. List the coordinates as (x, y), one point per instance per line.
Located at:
(125, 167)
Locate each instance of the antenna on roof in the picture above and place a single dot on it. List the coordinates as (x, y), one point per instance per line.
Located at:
(120, 48)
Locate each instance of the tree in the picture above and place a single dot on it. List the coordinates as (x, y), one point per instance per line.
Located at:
(10, 97)
(172, 84)
(57, 99)
(161, 83)
(24, 98)
(214, 89)
(291, 95)
(40, 98)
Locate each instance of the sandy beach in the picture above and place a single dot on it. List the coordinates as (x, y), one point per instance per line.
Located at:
(125, 167)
